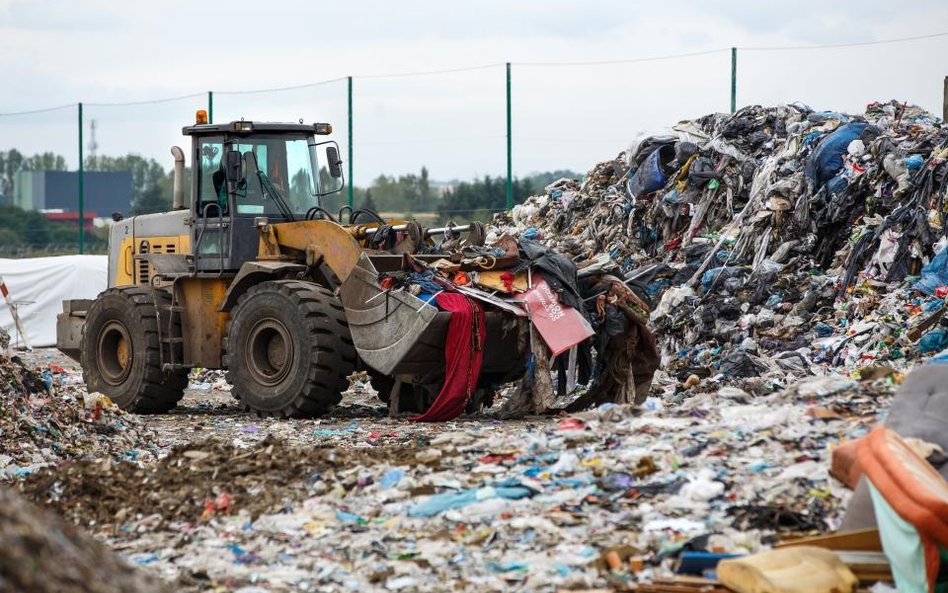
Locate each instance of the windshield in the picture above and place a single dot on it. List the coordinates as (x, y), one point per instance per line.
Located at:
(278, 174)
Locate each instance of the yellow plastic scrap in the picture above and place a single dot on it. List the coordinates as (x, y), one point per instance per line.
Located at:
(314, 527)
(803, 569)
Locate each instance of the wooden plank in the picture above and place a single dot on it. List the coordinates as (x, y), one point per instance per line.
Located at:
(868, 567)
(863, 540)
(681, 584)
(684, 580)
(869, 577)
(679, 589)
(859, 558)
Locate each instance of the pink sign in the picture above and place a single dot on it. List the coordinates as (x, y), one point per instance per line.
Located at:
(561, 327)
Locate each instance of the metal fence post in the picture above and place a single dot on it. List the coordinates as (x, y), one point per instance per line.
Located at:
(944, 102)
(733, 79)
(82, 221)
(510, 199)
(351, 178)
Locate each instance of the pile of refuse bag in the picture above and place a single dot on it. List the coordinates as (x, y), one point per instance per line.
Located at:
(46, 417)
(770, 241)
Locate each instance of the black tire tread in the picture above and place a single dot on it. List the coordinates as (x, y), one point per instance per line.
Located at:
(158, 392)
(334, 353)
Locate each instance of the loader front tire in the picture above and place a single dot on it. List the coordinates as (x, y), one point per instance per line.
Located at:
(288, 349)
(121, 355)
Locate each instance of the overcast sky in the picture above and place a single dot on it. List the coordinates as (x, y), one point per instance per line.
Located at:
(101, 51)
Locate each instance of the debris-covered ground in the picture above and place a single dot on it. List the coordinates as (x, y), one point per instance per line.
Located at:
(212, 498)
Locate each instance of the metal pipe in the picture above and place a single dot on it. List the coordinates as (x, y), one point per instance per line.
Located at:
(178, 194)
(445, 229)
(428, 232)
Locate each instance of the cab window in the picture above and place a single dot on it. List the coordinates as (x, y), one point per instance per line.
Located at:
(277, 165)
(212, 188)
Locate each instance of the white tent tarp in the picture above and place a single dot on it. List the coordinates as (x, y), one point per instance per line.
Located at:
(39, 285)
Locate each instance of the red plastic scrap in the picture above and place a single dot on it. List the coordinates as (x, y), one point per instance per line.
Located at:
(215, 505)
(508, 279)
(571, 424)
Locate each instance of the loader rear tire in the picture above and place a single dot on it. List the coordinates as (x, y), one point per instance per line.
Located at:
(288, 349)
(121, 355)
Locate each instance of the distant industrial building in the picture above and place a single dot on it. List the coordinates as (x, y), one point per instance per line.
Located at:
(104, 192)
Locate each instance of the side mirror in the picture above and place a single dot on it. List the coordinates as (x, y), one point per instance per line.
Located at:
(233, 166)
(333, 161)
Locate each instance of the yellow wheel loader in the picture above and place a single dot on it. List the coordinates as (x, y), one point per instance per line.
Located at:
(254, 276)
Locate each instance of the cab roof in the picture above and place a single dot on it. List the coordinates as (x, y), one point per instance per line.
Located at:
(254, 127)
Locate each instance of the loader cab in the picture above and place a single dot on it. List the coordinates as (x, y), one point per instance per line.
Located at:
(247, 170)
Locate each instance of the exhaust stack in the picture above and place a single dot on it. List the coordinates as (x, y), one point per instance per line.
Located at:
(178, 194)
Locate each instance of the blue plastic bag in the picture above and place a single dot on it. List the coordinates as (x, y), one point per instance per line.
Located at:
(914, 162)
(651, 175)
(935, 274)
(827, 159)
(934, 341)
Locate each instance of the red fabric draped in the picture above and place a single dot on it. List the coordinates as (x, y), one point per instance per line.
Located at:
(463, 353)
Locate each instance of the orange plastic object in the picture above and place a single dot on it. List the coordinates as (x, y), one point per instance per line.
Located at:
(845, 465)
(912, 488)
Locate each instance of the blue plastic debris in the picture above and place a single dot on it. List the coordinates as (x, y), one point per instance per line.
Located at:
(934, 341)
(439, 503)
(347, 517)
(935, 274)
(914, 162)
(392, 478)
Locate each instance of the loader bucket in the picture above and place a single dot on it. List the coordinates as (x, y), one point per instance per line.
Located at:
(396, 333)
(385, 327)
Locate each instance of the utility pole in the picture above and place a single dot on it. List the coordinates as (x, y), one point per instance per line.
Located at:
(93, 145)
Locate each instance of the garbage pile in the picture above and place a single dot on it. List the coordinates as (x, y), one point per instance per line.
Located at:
(42, 553)
(46, 417)
(206, 379)
(768, 242)
(605, 497)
